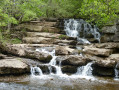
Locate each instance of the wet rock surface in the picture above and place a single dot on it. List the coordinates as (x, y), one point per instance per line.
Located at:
(69, 69)
(103, 71)
(72, 60)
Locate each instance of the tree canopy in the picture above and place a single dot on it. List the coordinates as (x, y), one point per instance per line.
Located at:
(100, 12)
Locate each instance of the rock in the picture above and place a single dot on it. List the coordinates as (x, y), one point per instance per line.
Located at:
(89, 57)
(69, 69)
(43, 57)
(114, 57)
(42, 40)
(42, 34)
(13, 66)
(37, 40)
(110, 45)
(116, 37)
(45, 68)
(105, 63)
(2, 56)
(109, 29)
(103, 71)
(60, 50)
(101, 61)
(72, 60)
(110, 33)
(23, 50)
(49, 35)
(107, 38)
(97, 51)
(33, 28)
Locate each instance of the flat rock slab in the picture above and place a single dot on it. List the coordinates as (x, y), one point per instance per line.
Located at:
(42, 40)
(107, 45)
(49, 35)
(97, 51)
(29, 52)
(13, 66)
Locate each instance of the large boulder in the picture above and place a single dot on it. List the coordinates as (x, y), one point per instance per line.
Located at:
(103, 71)
(72, 60)
(47, 69)
(97, 51)
(69, 69)
(13, 66)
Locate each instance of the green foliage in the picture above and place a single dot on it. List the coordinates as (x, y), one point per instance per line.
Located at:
(101, 12)
(16, 11)
(7, 39)
(61, 8)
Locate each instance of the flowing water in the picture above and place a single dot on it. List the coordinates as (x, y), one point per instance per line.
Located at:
(81, 29)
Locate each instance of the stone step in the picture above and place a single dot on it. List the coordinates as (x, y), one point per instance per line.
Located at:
(97, 51)
(39, 28)
(49, 35)
(42, 40)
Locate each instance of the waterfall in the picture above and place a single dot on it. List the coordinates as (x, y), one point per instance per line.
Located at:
(116, 72)
(85, 70)
(36, 71)
(80, 29)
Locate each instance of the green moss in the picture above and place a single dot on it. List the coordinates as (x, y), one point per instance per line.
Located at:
(63, 37)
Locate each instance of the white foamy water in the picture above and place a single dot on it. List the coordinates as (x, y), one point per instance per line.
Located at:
(80, 28)
(116, 73)
(36, 71)
(82, 72)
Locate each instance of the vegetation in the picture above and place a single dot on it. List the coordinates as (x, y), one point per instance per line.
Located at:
(99, 12)
(63, 37)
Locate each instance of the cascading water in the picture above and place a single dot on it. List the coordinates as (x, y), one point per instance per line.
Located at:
(116, 72)
(80, 29)
(36, 71)
(85, 70)
(51, 64)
